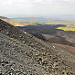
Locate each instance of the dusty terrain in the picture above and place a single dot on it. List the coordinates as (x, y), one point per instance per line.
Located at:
(23, 54)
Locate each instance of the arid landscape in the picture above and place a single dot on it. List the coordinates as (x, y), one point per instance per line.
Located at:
(36, 50)
(37, 37)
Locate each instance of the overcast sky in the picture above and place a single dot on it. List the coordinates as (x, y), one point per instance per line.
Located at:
(37, 7)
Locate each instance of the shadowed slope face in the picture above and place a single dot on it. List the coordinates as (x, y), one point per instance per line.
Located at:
(48, 56)
(50, 33)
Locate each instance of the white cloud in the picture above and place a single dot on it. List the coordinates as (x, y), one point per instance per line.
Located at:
(37, 7)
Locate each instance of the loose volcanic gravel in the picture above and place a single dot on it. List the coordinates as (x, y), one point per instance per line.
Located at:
(23, 54)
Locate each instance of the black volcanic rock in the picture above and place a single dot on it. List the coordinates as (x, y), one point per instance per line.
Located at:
(22, 53)
(14, 58)
(45, 32)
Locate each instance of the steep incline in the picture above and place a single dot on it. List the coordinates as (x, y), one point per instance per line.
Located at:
(49, 57)
(14, 58)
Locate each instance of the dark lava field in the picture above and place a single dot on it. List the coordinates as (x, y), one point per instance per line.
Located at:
(49, 33)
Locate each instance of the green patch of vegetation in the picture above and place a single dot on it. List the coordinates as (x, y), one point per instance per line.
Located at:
(67, 28)
(70, 23)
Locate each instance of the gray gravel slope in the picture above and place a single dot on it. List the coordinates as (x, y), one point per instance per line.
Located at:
(49, 58)
(14, 58)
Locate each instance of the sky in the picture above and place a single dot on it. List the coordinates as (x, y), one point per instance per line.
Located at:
(37, 8)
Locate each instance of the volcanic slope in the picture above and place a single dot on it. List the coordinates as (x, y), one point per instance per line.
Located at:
(14, 58)
(32, 53)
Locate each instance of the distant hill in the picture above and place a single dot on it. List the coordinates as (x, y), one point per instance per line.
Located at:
(15, 23)
(2, 17)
